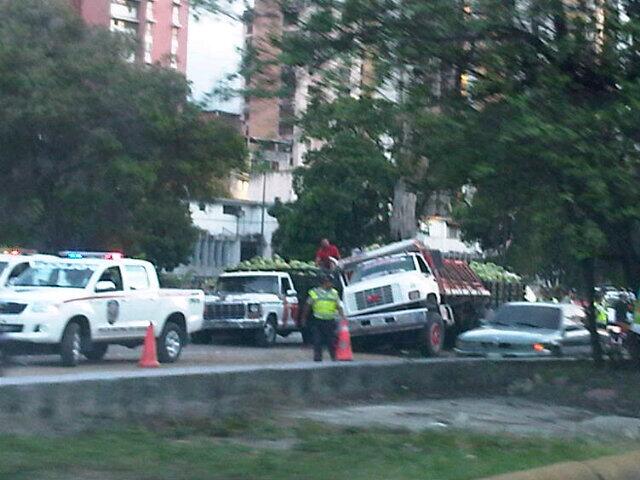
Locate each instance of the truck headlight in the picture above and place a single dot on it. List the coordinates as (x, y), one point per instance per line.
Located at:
(414, 295)
(254, 310)
(42, 307)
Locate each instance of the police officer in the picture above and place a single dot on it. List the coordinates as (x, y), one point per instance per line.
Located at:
(602, 316)
(324, 302)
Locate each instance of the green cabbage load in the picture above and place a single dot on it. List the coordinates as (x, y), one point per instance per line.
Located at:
(490, 272)
(276, 263)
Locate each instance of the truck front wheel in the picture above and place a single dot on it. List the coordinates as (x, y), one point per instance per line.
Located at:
(266, 336)
(171, 343)
(71, 345)
(431, 336)
(96, 351)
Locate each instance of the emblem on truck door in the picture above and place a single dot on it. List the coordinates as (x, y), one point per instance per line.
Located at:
(113, 311)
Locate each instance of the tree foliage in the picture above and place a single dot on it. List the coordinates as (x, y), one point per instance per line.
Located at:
(97, 152)
(345, 188)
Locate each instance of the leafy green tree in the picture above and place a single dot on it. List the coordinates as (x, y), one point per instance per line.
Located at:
(533, 104)
(345, 189)
(97, 152)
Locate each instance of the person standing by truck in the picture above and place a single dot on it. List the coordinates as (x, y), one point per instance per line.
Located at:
(327, 255)
(324, 303)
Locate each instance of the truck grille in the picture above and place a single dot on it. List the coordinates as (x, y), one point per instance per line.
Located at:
(374, 297)
(224, 311)
(9, 328)
(12, 308)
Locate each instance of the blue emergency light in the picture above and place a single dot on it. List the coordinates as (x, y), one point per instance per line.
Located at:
(76, 255)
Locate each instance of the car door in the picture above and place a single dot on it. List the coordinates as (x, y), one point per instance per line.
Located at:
(290, 303)
(110, 307)
(576, 339)
(141, 297)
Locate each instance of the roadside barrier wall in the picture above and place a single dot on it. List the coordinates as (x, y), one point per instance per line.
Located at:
(85, 401)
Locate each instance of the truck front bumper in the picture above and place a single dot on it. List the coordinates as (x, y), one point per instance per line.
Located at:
(387, 322)
(233, 324)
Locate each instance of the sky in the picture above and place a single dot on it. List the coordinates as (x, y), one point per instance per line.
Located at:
(213, 54)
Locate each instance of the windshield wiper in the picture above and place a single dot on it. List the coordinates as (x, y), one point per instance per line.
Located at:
(524, 324)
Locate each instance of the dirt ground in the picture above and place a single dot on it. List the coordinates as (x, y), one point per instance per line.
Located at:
(498, 415)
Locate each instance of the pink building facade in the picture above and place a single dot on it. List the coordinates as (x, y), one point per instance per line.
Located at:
(160, 26)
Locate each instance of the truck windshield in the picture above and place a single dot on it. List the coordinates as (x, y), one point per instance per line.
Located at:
(248, 284)
(384, 266)
(528, 316)
(62, 275)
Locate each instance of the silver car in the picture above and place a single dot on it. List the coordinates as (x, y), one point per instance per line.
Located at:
(529, 330)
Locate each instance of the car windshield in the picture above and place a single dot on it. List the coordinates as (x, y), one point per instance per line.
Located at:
(3, 265)
(248, 284)
(530, 316)
(58, 274)
(384, 266)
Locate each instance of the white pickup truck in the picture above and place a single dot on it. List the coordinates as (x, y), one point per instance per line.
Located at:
(264, 304)
(79, 306)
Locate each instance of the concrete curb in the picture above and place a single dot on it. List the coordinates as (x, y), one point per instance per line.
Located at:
(88, 401)
(620, 467)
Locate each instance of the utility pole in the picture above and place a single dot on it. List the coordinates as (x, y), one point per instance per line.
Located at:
(264, 205)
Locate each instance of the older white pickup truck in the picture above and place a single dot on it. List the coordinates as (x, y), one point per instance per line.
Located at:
(265, 304)
(79, 306)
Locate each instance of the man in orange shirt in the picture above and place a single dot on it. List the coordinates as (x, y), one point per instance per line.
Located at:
(326, 253)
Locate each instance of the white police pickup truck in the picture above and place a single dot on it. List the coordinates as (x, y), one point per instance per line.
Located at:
(264, 304)
(81, 304)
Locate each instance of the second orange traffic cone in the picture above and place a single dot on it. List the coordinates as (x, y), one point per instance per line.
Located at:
(343, 345)
(149, 357)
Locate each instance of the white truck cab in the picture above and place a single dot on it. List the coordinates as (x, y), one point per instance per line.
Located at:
(81, 304)
(405, 287)
(263, 303)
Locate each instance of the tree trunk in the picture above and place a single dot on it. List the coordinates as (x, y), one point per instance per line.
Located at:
(403, 218)
(588, 267)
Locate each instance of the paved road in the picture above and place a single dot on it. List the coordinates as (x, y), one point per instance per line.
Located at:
(225, 352)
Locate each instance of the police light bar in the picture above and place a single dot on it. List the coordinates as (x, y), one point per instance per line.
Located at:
(18, 251)
(75, 255)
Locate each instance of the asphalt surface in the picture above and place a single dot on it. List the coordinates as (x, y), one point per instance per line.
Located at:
(227, 352)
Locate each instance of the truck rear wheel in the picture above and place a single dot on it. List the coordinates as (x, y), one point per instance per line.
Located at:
(71, 345)
(266, 336)
(431, 336)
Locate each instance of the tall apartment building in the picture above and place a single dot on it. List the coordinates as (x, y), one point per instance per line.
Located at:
(159, 26)
(268, 120)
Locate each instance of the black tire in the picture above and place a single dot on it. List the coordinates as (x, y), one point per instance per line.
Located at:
(96, 351)
(265, 337)
(71, 345)
(170, 343)
(431, 336)
(633, 346)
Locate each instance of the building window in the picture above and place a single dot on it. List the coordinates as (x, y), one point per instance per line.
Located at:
(148, 42)
(125, 10)
(150, 14)
(176, 16)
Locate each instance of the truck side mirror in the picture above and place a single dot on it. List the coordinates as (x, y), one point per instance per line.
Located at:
(291, 293)
(105, 286)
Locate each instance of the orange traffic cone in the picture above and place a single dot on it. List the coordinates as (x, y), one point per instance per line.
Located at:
(343, 345)
(149, 357)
